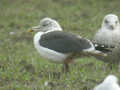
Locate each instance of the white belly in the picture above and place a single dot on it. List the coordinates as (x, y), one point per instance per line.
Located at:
(110, 38)
(47, 53)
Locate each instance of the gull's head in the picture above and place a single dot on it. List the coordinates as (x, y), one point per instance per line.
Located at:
(110, 22)
(110, 79)
(46, 24)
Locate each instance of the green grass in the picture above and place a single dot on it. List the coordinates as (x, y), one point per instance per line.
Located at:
(22, 68)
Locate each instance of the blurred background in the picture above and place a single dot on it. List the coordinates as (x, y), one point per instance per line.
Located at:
(22, 68)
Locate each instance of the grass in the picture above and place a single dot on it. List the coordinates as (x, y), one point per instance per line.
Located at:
(22, 68)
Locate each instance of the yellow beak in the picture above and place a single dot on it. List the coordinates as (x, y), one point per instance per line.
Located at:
(30, 30)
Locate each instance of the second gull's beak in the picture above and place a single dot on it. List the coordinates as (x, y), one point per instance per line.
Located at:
(30, 30)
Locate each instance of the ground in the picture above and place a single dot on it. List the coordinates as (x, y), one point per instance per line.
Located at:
(22, 68)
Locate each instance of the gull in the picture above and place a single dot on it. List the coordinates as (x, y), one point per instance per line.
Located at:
(58, 46)
(109, 33)
(107, 40)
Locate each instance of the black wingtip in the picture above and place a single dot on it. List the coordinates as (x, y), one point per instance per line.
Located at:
(102, 48)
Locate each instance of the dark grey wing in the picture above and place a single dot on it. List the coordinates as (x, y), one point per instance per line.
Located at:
(63, 42)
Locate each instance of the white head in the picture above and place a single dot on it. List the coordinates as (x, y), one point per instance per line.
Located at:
(47, 24)
(110, 22)
(110, 79)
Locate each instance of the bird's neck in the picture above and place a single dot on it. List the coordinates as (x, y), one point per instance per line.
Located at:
(54, 29)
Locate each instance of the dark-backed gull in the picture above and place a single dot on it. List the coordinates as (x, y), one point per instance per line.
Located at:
(110, 83)
(58, 46)
(109, 33)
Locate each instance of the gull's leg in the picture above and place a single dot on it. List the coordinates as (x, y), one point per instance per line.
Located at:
(119, 67)
(66, 65)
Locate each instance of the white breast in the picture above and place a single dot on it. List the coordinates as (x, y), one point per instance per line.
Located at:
(110, 38)
(46, 53)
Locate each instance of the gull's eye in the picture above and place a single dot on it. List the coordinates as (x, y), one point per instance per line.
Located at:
(106, 21)
(44, 25)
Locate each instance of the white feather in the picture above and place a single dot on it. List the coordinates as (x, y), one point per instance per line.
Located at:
(110, 83)
(107, 36)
